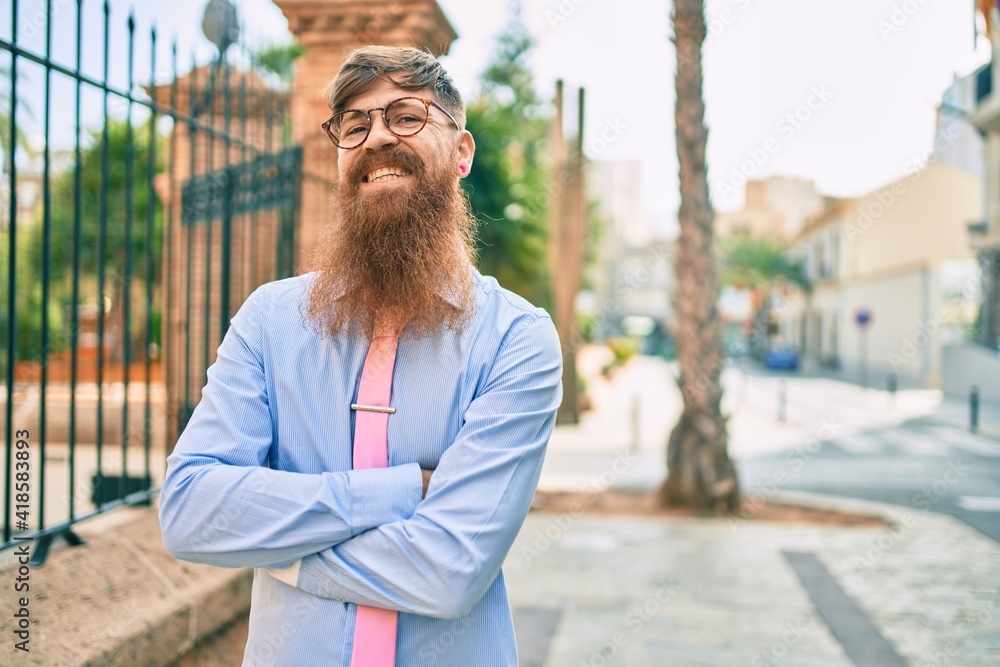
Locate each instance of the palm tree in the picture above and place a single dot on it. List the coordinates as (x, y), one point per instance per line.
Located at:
(700, 472)
(761, 264)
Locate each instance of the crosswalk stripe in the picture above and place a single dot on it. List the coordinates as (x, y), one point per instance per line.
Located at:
(914, 443)
(966, 441)
(979, 503)
(859, 443)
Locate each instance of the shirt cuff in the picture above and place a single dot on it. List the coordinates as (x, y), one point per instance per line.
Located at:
(313, 576)
(383, 495)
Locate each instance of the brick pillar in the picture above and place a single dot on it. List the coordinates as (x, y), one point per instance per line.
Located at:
(254, 114)
(330, 30)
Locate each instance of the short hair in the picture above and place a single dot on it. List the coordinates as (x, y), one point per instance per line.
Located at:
(419, 69)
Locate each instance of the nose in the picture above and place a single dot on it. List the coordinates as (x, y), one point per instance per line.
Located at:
(379, 136)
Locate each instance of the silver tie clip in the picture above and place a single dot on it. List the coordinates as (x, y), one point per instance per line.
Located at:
(372, 408)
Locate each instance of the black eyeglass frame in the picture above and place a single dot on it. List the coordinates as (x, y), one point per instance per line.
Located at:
(326, 125)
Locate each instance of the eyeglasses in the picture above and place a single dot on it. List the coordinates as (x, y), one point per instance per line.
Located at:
(404, 117)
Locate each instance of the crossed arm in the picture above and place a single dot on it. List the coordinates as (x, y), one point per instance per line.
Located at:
(363, 536)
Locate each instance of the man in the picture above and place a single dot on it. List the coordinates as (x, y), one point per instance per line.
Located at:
(367, 554)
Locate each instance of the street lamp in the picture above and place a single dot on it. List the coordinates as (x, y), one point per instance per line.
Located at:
(221, 25)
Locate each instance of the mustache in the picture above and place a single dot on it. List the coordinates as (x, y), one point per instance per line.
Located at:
(405, 256)
(392, 156)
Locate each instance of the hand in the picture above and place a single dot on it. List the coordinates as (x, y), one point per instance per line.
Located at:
(427, 480)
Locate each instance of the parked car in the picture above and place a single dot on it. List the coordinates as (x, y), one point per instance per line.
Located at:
(782, 357)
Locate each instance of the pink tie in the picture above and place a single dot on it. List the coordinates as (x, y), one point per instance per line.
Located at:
(375, 630)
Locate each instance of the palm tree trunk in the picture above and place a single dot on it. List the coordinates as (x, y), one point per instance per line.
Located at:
(700, 473)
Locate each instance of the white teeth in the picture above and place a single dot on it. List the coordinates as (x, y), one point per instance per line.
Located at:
(385, 173)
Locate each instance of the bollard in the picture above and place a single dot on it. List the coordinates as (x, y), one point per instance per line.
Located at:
(974, 409)
(782, 399)
(634, 444)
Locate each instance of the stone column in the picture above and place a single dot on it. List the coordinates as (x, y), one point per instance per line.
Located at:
(329, 30)
(193, 252)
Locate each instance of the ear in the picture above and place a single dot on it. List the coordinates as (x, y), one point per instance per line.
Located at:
(466, 151)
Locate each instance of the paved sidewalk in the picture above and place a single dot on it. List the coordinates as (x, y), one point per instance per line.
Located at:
(637, 591)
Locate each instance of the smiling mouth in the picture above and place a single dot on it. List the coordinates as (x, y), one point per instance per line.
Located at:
(384, 174)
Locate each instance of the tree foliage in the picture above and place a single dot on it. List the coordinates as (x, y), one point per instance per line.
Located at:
(117, 213)
(758, 262)
(278, 59)
(761, 264)
(507, 185)
(63, 242)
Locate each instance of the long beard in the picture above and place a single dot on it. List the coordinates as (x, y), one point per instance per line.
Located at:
(396, 260)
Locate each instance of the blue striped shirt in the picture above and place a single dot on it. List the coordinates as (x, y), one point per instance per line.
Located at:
(261, 477)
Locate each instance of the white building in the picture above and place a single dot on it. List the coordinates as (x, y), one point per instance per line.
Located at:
(979, 364)
(900, 253)
(633, 272)
(813, 321)
(959, 142)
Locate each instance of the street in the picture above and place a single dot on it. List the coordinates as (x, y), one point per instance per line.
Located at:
(920, 463)
(912, 449)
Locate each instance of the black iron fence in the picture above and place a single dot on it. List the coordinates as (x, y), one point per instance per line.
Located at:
(126, 248)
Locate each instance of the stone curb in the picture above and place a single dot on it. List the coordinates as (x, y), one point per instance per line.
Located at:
(120, 600)
(887, 511)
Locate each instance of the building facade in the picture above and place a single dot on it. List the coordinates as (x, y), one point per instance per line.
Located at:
(901, 255)
(633, 272)
(985, 232)
(777, 206)
(812, 320)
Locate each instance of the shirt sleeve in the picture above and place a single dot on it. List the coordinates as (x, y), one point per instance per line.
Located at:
(220, 504)
(441, 561)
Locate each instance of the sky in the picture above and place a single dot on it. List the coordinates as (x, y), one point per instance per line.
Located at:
(863, 76)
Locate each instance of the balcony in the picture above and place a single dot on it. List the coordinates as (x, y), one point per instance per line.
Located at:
(987, 113)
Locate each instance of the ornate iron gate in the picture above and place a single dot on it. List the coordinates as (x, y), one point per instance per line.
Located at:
(127, 244)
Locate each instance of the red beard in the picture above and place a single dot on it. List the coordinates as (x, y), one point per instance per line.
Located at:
(399, 255)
